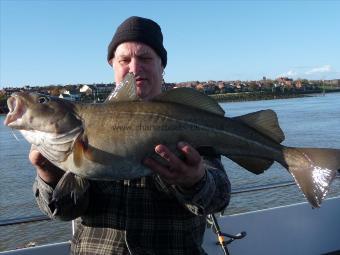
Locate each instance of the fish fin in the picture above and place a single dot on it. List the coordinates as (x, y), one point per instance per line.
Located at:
(191, 97)
(313, 170)
(79, 149)
(98, 156)
(254, 165)
(125, 91)
(82, 149)
(69, 185)
(265, 122)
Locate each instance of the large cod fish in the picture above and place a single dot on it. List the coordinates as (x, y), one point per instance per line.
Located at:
(109, 141)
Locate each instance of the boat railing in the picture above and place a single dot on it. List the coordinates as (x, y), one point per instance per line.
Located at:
(21, 220)
(255, 188)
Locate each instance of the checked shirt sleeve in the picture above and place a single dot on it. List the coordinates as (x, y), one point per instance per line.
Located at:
(66, 209)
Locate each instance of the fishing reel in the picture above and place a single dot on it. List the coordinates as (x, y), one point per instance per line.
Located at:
(211, 219)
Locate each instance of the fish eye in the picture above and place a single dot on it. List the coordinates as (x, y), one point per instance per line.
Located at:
(43, 100)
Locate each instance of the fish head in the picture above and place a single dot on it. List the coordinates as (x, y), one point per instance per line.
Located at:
(38, 112)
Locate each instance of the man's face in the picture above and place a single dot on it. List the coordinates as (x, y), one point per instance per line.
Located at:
(144, 62)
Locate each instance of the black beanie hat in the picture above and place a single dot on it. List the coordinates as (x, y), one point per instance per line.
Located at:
(139, 30)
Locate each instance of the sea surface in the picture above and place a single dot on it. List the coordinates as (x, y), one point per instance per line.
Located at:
(307, 122)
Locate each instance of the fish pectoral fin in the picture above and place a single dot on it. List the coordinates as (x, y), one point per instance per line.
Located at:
(70, 185)
(191, 97)
(265, 122)
(83, 150)
(79, 148)
(254, 165)
(313, 170)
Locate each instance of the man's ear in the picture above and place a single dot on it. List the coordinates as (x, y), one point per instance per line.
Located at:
(111, 62)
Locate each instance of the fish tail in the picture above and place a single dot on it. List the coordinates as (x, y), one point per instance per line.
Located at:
(313, 170)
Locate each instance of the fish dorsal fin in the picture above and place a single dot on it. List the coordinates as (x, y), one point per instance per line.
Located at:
(125, 91)
(191, 97)
(265, 122)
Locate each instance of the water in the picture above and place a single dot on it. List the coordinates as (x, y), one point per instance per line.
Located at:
(306, 122)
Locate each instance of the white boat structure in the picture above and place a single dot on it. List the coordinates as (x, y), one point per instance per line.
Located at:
(292, 229)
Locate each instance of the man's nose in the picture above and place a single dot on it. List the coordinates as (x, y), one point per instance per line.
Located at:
(135, 65)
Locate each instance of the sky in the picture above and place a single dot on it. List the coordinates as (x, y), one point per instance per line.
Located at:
(51, 42)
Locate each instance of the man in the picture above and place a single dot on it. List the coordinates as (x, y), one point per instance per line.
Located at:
(163, 213)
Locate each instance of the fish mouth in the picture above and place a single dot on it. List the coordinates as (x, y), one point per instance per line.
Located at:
(16, 110)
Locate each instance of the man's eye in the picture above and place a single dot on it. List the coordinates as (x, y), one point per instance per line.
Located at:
(43, 100)
(146, 58)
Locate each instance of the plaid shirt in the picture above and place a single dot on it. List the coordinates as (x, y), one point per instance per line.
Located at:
(140, 216)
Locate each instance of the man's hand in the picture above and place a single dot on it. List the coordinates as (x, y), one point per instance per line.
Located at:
(184, 173)
(45, 169)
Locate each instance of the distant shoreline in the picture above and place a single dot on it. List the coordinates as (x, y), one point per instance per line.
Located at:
(240, 97)
(257, 96)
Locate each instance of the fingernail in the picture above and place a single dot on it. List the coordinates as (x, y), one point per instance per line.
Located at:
(158, 149)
